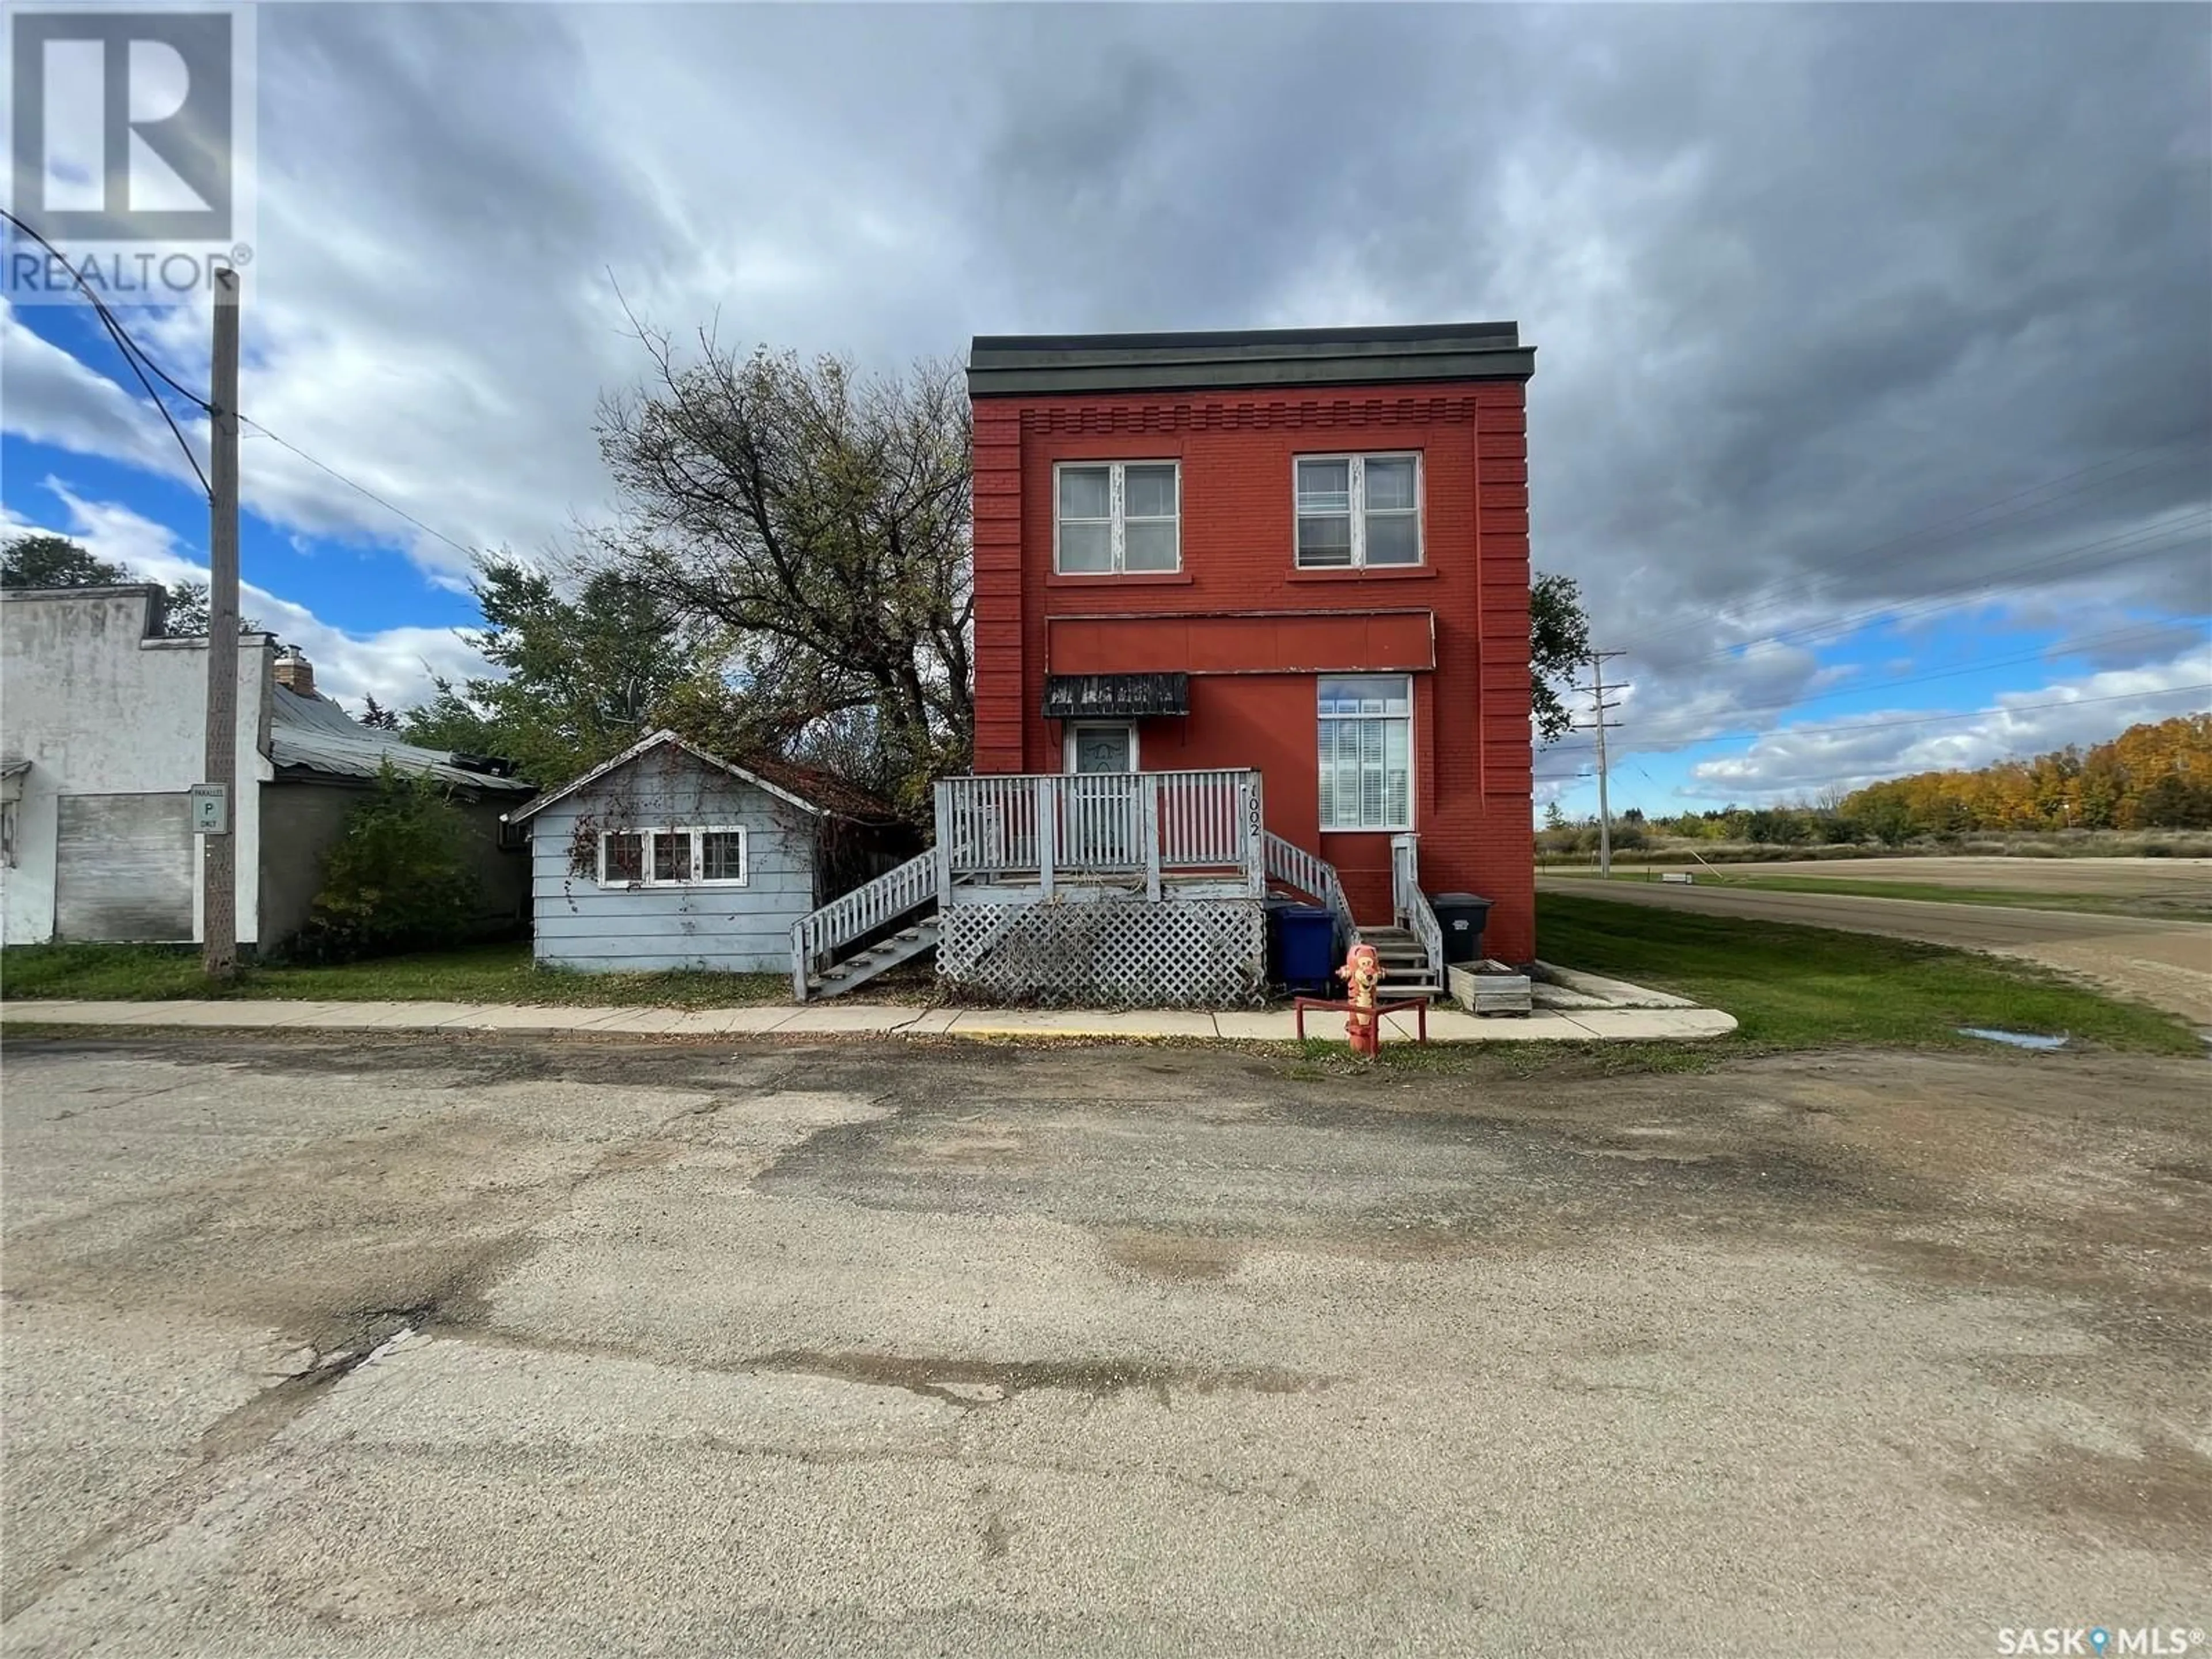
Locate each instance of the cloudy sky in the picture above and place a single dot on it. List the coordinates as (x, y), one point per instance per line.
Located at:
(1873, 402)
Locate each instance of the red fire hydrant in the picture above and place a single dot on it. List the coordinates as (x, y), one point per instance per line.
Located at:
(1361, 972)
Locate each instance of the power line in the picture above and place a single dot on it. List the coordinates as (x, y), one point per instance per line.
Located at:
(1867, 688)
(2109, 551)
(133, 353)
(1935, 719)
(1751, 736)
(352, 483)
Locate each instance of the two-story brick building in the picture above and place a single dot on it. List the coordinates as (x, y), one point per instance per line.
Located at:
(1220, 575)
(1314, 542)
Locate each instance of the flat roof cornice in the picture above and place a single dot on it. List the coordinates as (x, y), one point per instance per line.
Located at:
(1003, 365)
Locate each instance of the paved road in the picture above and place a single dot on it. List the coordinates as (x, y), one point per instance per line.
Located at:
(872, 1349)
(2167, 963)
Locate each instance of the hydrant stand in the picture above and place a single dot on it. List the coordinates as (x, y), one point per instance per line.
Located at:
(1418, 1004)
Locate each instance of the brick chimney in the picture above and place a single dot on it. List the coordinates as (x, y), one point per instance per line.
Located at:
(295, 672)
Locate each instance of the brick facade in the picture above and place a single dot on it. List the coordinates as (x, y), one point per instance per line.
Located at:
(1252, 693)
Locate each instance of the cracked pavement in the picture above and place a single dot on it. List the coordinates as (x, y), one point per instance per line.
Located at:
(370, 1345)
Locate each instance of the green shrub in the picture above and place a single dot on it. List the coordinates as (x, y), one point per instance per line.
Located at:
(399, 879)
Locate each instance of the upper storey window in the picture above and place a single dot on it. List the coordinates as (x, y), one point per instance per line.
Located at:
(1356, 510)
(1117, 516)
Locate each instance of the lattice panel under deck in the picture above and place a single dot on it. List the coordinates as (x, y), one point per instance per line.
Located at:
(1202, 953)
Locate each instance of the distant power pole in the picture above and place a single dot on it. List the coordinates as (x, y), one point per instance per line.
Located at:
(219, 855)
(1599, 709)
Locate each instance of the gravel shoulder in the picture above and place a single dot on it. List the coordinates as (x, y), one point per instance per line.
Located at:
(386, 1345)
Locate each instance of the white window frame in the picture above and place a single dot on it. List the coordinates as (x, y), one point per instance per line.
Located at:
(647, 834)
(1117, 517)
(1357, 469)
(1412, 770)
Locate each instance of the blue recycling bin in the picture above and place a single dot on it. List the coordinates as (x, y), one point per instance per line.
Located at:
(1304, 938)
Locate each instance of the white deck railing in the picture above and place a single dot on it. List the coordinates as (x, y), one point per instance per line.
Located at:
(1306, 872)
(816, 937)
(1409, 904)
(1092, 826)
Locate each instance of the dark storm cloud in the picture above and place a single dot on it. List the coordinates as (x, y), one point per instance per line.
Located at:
(1810, 285)
(1805, 282)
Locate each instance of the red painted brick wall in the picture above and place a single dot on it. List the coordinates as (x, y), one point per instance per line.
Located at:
(1471, 757)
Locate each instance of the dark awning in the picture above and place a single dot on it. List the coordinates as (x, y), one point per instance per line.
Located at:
(1078, 696)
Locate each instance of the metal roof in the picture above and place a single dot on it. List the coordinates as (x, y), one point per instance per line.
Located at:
(313, 734)
(1030, 364)
(665, 738)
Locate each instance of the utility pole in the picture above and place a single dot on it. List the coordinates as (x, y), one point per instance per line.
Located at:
(219, 845)
(1599, 709)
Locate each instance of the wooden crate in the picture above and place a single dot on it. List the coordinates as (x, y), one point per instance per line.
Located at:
(1491, 988)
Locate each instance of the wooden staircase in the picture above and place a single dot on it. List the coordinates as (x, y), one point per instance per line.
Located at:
(1407, 969)
(862, 966)
(823, 960)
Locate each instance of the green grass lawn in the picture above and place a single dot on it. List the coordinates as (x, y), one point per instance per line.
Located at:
(481, 973)
(1803, 988)
(2180, 908)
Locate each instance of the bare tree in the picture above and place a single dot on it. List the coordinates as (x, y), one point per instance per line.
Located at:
(816, 520)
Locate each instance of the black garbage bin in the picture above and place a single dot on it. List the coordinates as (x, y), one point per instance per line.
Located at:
(1462, 916)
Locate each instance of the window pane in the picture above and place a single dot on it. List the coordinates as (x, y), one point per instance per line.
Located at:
(625, 856)
(1376, 694)
(1389, 483)
(1086, 547)
(1148, 492)
(1325, 540)
(672, 855)
(1324, 486)
(1397, 771)
(1392, 538)
(721, 855)
(1149, 545)
(1340, 696)
(1084, 492)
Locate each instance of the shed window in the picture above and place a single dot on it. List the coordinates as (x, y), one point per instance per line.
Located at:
(621, 857)
(721, 855)
(677, 855)
(672, 855)
(1367, 752)
(1358, 510)
(1118, 516)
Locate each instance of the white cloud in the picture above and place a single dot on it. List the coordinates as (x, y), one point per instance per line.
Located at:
(1861, 748)
(390, 665)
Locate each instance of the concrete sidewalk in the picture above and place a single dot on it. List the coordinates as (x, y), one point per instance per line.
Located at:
(873, 1019)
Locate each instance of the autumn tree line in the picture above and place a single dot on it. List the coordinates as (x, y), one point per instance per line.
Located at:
(2157, 776)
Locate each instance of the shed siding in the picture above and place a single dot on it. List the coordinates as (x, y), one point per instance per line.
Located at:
(580, 924)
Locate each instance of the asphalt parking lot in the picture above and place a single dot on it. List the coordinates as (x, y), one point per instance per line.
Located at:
(446, 1346)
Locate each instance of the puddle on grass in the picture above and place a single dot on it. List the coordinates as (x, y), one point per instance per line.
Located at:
(2017, 1039)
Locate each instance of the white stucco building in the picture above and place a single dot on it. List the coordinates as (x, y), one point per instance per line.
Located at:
(102, 736)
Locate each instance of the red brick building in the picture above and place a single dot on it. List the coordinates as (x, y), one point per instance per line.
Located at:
(1303, 551)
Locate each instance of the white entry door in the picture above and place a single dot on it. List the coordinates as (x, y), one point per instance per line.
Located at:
(1099, 830)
